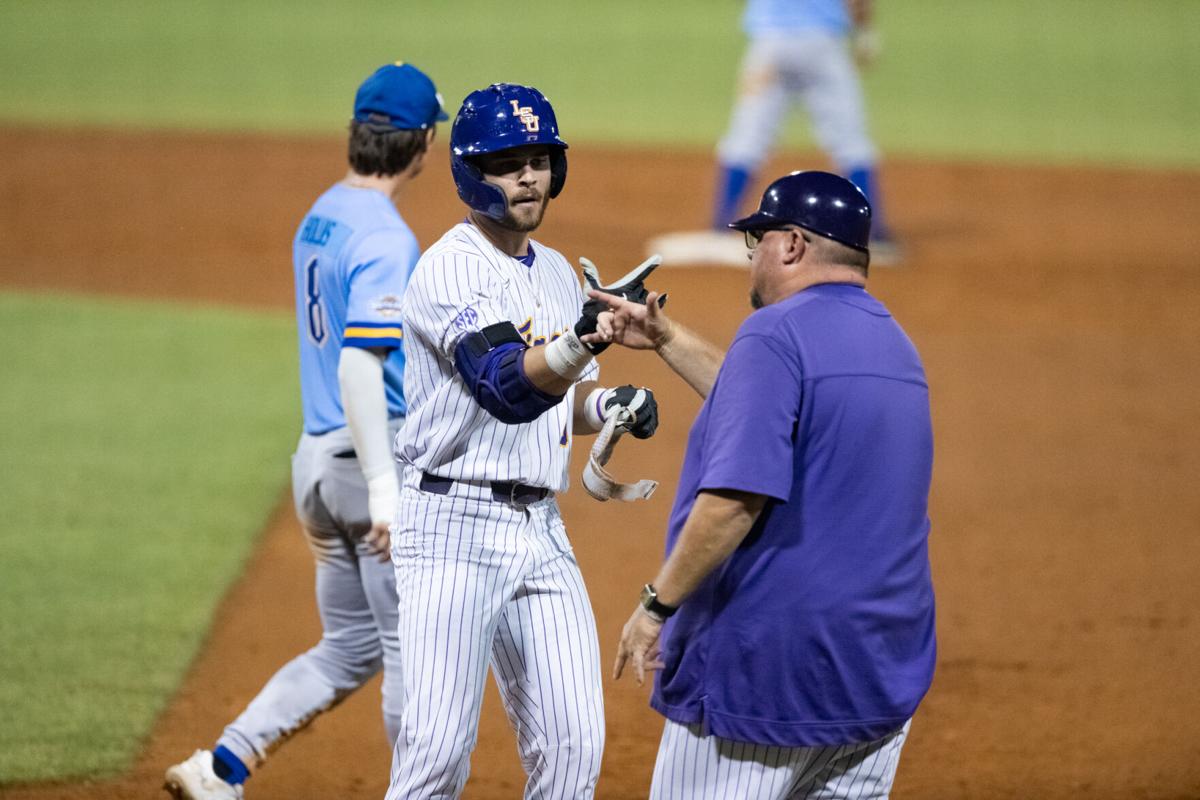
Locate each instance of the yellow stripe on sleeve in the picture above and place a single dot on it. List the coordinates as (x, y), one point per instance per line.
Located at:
(373, 333)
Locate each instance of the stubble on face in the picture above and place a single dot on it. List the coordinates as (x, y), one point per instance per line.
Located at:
(758, 258)
(525, 212)
(526, 198)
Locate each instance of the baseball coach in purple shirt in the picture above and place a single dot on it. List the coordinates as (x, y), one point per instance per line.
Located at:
(793, 620)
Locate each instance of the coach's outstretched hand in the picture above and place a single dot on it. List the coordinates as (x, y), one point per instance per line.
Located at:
(639, 325)
(643, 326)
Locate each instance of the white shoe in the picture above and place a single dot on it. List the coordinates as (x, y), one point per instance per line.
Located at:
(194, 779)
(701, 248)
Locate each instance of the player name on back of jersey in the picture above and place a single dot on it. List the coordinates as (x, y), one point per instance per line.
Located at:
(317, 230)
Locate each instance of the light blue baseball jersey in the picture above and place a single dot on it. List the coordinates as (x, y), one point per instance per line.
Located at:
(352, 256)
(785, 16)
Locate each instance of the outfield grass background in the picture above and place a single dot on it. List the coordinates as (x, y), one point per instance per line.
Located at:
(129, 510)
(144, 445)
(1069, 80)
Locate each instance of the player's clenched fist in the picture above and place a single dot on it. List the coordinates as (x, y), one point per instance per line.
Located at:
(638, 402)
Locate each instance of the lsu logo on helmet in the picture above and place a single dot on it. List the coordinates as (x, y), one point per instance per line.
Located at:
(526, 115)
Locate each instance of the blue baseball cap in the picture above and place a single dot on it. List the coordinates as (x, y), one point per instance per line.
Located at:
(400, 96)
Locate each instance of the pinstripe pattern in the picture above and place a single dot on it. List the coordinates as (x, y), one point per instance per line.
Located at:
(463, 283)
(485, 584)
(692, 766)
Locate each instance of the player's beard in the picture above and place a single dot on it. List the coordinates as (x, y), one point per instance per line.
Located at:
(525, 217)
(756, 301)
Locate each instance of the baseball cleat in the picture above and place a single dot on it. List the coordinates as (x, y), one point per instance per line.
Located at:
(701, 248)
(194, 779)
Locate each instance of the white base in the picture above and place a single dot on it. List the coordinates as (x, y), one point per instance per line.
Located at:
(701, 249)
(719, 249)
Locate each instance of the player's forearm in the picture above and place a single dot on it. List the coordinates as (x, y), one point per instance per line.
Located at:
(692, 357)
(541, 375)
(581, 419)
(364, 401)
(717, 524)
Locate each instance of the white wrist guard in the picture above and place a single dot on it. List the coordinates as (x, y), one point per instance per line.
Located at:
(383, 495)
(568, 357)
(593, 408)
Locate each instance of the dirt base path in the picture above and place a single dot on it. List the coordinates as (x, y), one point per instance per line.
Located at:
(1055, 310)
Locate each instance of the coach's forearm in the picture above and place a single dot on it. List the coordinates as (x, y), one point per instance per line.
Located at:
(717, 524)
(692, 357)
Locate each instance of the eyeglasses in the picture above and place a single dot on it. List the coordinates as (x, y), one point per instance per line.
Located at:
(754, 236)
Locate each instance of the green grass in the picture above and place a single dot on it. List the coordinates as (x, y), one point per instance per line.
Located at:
(145, 444)
(1071, 80)
(144, 447)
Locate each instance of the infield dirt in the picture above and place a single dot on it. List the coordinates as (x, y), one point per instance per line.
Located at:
(1056, 312)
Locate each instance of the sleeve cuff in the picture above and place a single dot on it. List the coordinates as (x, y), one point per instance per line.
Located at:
(373, 334)
(716, 483)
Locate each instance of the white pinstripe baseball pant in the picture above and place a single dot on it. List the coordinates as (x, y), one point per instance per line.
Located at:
(695, 767)
(485, 582)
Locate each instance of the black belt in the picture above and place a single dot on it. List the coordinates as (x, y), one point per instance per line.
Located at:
(519, 494)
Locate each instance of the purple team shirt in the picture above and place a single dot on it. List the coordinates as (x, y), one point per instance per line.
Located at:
(819, 629)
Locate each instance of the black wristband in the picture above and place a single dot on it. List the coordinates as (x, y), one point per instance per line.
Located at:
(651, 603)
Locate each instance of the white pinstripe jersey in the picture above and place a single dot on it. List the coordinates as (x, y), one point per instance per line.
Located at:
(462, 284)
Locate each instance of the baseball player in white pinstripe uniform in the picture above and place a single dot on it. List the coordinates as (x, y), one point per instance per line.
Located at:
(498, 382)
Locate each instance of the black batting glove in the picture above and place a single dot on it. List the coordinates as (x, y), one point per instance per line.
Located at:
(630, 286)
(587, 324)
(640, 402)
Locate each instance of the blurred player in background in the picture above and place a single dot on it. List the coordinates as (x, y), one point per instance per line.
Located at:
(800, 51)
(352, 257)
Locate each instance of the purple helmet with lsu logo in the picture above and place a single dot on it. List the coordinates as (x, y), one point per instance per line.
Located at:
(500, 117)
